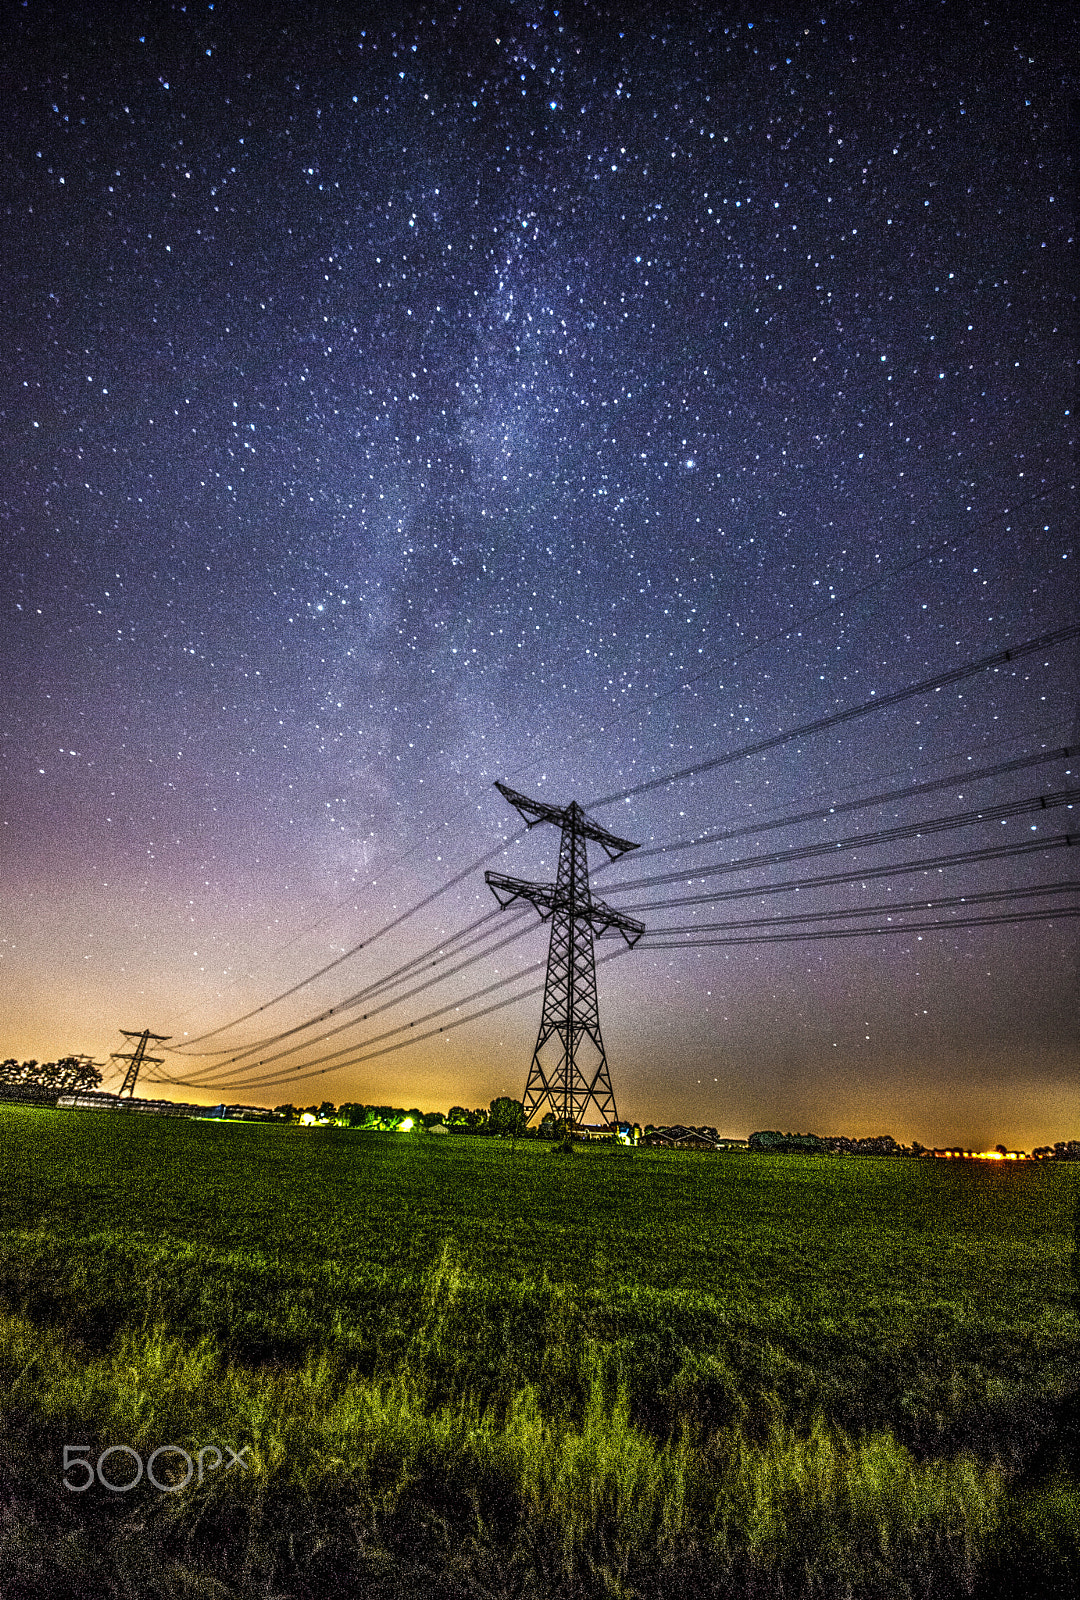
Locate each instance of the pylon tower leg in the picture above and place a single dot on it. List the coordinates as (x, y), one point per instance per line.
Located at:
(571, 1012)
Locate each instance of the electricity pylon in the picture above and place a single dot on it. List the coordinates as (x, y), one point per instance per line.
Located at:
(571, 1013)
(136, 1057)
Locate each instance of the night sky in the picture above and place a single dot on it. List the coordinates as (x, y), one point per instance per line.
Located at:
(399, 399)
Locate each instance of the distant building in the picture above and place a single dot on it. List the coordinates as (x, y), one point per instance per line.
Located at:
(115, 1102)
(162, 1108)
(679, 1137)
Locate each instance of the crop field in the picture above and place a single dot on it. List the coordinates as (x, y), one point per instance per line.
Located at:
(460, 1366)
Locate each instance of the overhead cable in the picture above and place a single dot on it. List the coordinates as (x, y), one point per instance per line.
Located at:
(868, 874)
(1063, 913)
(466, 872)
(860, 841)
(876, 703)
(223, 1071)
(890, 907)
(318, 1071)
(824, 812)
(447, 949)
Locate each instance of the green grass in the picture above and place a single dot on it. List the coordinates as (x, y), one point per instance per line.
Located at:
(469, 1368)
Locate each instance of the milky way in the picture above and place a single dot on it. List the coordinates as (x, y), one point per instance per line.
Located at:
(513, 392)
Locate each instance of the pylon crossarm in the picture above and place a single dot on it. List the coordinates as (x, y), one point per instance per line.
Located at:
(540, 894)
(534, 811)
(602, 916)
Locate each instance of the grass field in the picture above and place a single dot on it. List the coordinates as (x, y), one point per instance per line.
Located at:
(464, 1367)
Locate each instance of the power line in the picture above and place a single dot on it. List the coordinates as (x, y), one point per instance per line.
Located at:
(228, 1068)
(861, 841)
(465, 872)
(659, 782)
(877, 703)
(891, 907)
(446, 949)
(954, 675)
(1064, 912)
(668, 938)
(403, 1044)
(306, 1069)
(844, 599)
(332, 1064)
(220, 1075)
(868, 874)
(823, 813)
(452, 946)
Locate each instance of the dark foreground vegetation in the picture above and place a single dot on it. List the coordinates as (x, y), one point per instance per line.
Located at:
(462, 1367)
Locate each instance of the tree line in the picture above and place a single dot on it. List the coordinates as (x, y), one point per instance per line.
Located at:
(504, 1118)
(71, 1074)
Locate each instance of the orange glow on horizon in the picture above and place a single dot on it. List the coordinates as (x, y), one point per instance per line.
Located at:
(981, 1155)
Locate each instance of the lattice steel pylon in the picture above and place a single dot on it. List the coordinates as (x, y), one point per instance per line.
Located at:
(136, 1057)
(571, 1013)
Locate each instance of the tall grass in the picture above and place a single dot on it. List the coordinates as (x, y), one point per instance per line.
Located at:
(456, 1369)
(599, 1493)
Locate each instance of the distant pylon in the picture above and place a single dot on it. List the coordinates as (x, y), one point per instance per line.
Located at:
(136, 1057)
(571, 1011)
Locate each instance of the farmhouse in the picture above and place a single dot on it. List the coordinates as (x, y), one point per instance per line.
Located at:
(679, 1137)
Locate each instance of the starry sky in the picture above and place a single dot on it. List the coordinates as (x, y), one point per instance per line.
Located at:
(397, 399)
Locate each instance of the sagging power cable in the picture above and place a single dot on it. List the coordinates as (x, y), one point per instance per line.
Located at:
(445, 950)
(867, 874)
(466, 872)
(825, 812)
(888, 908)
(319, 1070)
(877, 703)
(860, 841)
(222, 1074)
(1063, 913)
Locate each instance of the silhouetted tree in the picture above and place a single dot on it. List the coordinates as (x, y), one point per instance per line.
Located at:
(13, 1071)
(506, 1118)
(71, 1074)
(80, 1073)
